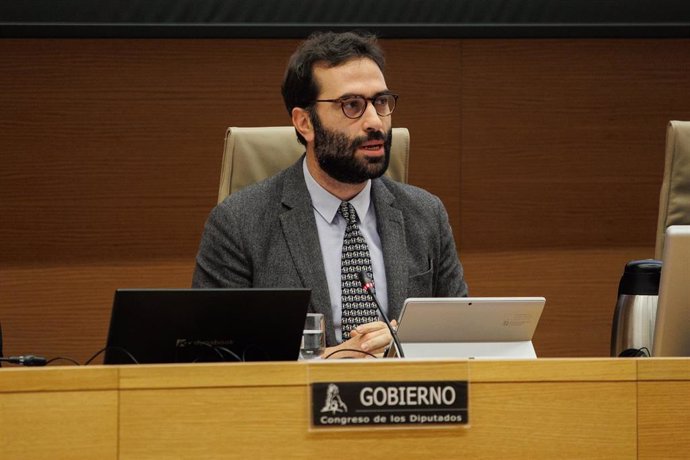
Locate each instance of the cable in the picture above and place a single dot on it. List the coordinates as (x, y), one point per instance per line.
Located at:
(231, 353)
(217, 349)
(212, 347)
(26, 360)
(350, 349)
(254, 351)
(63, 358)
(88, 361)
(635, 353)
(31, 360)
(127, 353)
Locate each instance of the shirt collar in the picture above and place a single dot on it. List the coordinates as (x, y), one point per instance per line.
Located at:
(327, 204)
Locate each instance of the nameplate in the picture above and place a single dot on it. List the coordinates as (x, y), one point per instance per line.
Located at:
(387, 404)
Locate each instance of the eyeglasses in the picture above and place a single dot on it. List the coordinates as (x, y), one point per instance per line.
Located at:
(354, 106)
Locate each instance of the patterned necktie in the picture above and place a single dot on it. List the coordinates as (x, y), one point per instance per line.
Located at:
(358, 307)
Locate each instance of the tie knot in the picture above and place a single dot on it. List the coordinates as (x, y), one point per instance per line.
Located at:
(348, 212)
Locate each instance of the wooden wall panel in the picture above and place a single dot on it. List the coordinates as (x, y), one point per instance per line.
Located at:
(563, 140)
(547, 154)
(111, 148)
(426, 74)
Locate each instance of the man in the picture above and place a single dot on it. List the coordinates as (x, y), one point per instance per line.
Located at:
(333, 206)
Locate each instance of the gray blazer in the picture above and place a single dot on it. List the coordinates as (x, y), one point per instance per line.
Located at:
(265, 236)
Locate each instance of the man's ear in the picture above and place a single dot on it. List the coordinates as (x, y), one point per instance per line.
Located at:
(302, 123)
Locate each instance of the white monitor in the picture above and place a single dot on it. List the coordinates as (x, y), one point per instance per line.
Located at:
(469, 327)
(672, 326)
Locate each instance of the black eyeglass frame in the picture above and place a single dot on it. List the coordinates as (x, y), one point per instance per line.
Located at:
(367, 100)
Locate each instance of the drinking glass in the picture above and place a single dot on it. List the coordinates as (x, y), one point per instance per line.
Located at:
(313, 337)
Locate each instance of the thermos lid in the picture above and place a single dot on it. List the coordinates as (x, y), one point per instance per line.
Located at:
(641, 277)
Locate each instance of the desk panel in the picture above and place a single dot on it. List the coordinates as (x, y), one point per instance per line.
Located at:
(560, 408)
(664, 405)
(58, 413)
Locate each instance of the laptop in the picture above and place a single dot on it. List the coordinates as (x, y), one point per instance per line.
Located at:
(469, 327)
(206, 325)
(672, 326)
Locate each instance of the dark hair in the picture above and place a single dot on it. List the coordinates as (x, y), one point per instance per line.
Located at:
(299, 87)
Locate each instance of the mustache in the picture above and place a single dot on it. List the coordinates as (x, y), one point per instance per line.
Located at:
(372, 136)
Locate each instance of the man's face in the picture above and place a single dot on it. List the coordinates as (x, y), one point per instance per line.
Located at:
(337, 154)
(350, 150)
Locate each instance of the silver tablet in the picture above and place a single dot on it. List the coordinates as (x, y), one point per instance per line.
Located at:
(469, 327)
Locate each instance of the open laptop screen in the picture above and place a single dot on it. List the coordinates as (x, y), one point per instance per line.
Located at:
(202, 325)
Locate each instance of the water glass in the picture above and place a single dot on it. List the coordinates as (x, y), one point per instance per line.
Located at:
(313, 337)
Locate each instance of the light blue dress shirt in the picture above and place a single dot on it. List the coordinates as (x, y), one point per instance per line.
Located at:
(331, 228)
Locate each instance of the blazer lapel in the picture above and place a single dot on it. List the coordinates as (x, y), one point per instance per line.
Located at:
(301, 236)
(391, 228)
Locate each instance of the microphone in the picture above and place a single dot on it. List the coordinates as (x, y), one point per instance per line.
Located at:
(368, 286)
(26, 360)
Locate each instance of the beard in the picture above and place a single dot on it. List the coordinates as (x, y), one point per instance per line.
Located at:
(337, 154)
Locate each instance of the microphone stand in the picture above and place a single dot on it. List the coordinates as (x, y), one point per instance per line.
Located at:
(368, 286)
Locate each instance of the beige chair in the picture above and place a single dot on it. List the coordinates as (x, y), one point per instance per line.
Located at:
(674, 200)
(252, 154)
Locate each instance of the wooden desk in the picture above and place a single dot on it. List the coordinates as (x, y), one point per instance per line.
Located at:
(663, 407)
(59, 412)
(574, 408)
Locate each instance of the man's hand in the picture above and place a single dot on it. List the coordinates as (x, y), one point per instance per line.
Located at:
(372, 338)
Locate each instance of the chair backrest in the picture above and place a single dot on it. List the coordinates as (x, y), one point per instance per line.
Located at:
(253, 154)
(674, 199)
